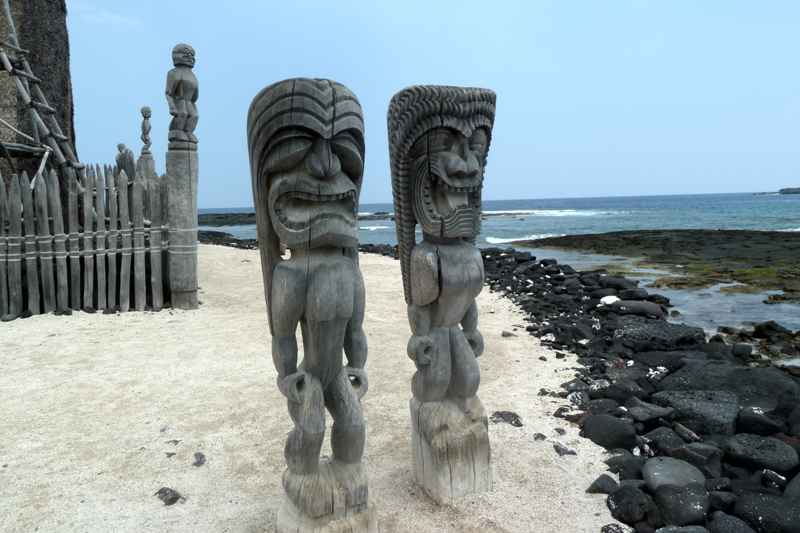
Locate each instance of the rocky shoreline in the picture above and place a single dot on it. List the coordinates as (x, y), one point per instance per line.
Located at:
(703, 433)
(752, 261)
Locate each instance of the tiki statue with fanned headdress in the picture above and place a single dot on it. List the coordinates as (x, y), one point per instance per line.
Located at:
(438, 143)
(306, 141)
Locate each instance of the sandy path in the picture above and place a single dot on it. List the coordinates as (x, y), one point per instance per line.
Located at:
(91, 405)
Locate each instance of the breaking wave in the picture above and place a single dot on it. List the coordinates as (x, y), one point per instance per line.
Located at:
(498, 240)
(373, 228)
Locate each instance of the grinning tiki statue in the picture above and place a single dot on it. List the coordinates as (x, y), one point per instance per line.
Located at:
(306, 142)
(438, 142)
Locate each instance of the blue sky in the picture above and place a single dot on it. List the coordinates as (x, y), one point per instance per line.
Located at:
(595, 98)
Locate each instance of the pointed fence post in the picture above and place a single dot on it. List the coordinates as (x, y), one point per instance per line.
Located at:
(15, 300)
(59, 242)
(100, 241)
(31, 252)
(88, 240)
(113, 240)
(125, 232)
(44, 241)
(73, 240)
(156, 282)
(137, 204)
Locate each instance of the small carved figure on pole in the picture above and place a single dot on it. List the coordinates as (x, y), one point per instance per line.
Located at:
(182, 92)
(125, 160)
(438, 143)
(146, 114)
(307, 162)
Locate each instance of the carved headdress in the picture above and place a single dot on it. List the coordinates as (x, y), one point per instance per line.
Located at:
(318, 109)
(413, 112)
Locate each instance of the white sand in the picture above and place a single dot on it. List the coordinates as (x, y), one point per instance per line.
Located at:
(90, 404)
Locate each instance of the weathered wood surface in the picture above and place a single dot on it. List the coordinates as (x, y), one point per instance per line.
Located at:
(125, 232)
(137, 204)
(88, 240)
(156, 279)
(14, 238)
(59, 242)
(3, 250)
(44, 241)
(113, 239)
(100, 237)
(73, 240)
(31, 253)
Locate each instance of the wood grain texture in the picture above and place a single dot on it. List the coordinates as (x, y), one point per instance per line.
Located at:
(100, 257)
(125, 231)
(31, 250)
(87, 181)
(137, 204)
(59, 243)
(14, 237)
(44, 242)
(113, 241)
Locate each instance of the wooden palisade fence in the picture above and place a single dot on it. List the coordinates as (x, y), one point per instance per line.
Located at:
(96, 246)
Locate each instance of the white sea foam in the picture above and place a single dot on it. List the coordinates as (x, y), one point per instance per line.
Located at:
(790, 229)
(373, 228)
(498, 240)
(550, 213)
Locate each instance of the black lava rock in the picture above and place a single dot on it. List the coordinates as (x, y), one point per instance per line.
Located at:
(762, 452)
(768, 514)
(629, 505)
(509, 417)
(604, 484)
(702, 411)
(627, 465)
(609, 432)
(725, 523)
(756, 421)
(683, 506)
(169, 496)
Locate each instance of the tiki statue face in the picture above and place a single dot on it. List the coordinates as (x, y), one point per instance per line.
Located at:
(313, 194)
(307, 151)
(183, 55)
(448, 177)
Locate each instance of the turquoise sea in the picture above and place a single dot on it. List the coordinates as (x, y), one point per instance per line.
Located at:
(509, 220)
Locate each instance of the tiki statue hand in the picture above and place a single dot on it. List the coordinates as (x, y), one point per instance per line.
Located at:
(421, 349)
(292, 386)
(358, 380)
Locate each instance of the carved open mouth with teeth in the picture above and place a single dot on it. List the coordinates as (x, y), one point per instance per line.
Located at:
(297, 210)
(446, 198)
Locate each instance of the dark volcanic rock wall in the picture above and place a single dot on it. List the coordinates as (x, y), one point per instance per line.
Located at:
(41, 29)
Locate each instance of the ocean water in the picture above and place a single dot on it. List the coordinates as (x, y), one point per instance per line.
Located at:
(509, 220)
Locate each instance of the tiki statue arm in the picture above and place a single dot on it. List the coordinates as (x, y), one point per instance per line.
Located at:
(355, 342)
(286, 311)
(172, 89)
